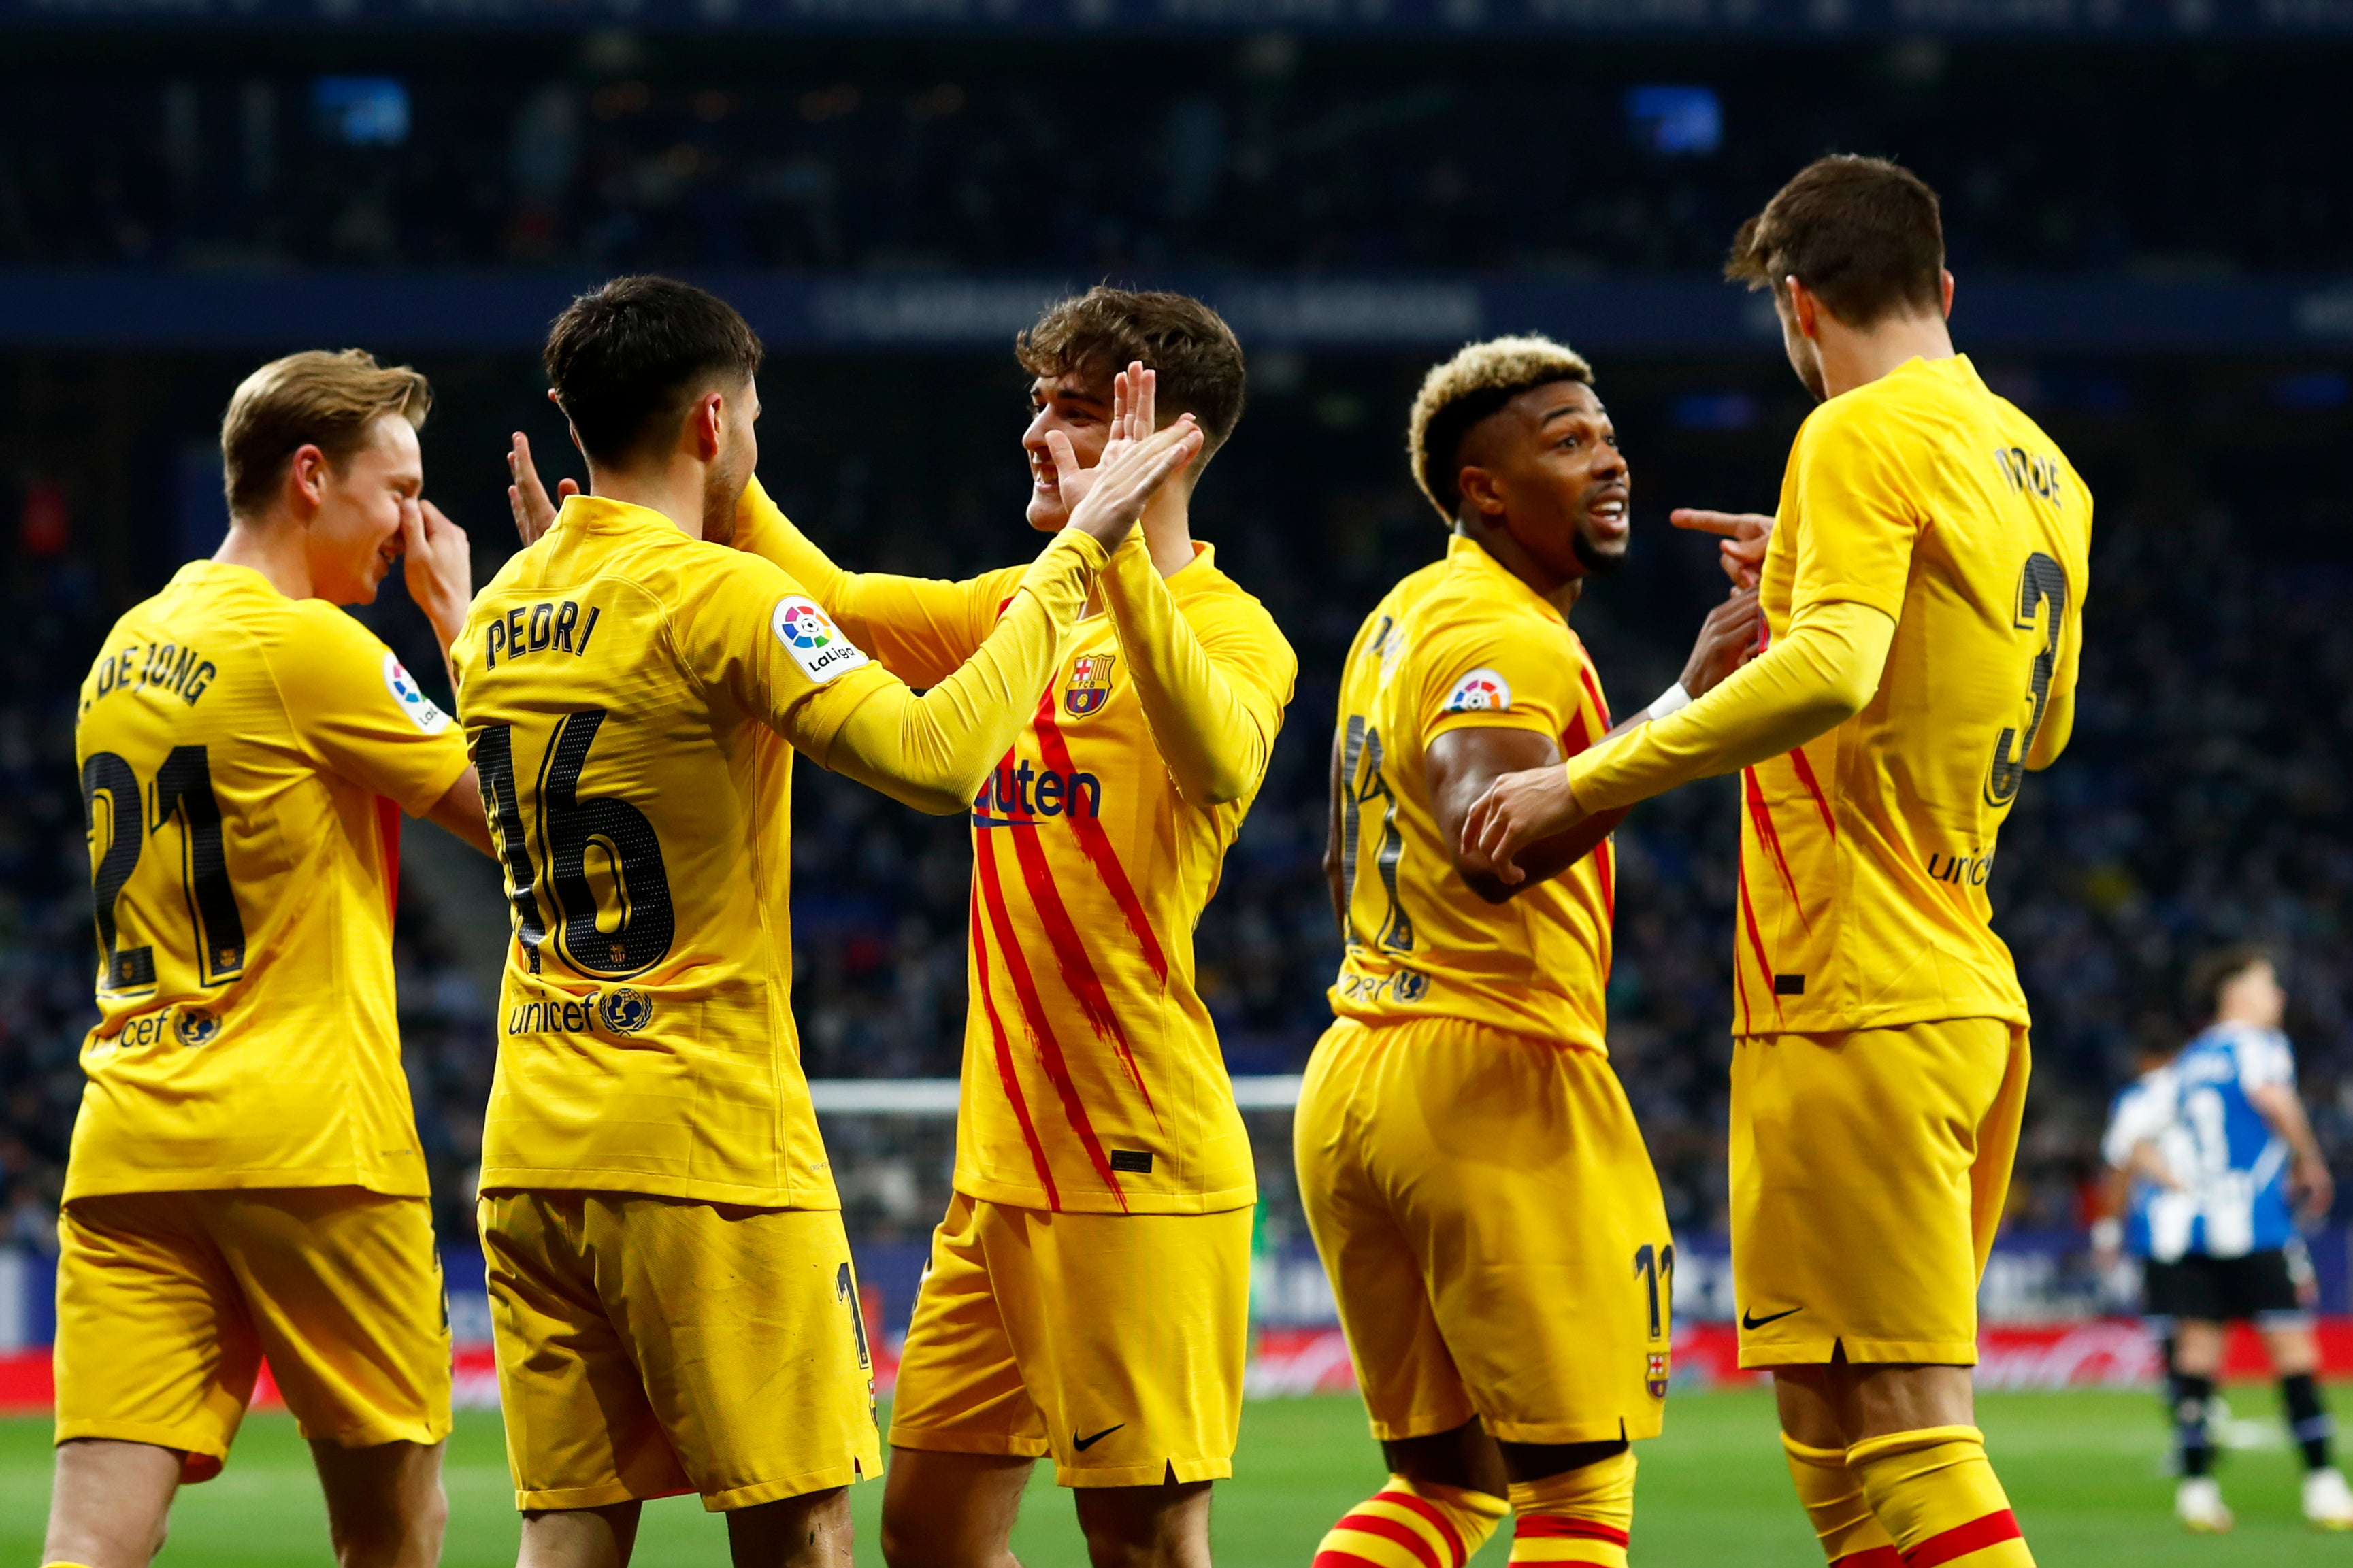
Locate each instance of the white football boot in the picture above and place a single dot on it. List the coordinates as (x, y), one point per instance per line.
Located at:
(2198, 1501)
(2327, 1501)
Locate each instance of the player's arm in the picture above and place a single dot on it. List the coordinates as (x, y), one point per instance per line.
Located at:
(920, 627)
(1461, 765)
(933, 752)
(1214, 701)
(1821, 674)
(1851, 565)
(357, 714)
(1727, 639)
(2309, 1179)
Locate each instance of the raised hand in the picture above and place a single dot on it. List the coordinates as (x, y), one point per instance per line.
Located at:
(1727, 639)
(438, 564)
(1517, 810)
(534, 513)
(1121, 487)
(1745, 535)
(1134, 396)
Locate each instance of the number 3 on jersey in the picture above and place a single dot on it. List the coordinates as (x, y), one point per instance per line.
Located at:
(607, 892)
(2042, 607)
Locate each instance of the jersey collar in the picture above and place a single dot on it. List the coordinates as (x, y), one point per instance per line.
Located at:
(1464, 553)
(602, 515)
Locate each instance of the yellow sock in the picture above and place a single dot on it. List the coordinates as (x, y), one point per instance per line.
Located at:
(1412, 1524)
(1934, 1494)
(1851, 1534)
(1581, 1516)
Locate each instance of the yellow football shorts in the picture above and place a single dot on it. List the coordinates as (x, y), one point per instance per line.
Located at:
(1114, 1342)
(1869, 1171)
(652, 1346)
(168, 1302)
(1493, 1228)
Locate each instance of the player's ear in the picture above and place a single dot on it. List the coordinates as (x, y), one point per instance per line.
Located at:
(1945, 278)
(306, 471)
(1480, 493)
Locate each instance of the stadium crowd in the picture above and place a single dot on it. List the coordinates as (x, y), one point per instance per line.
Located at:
(2200, 799)
(620, 154)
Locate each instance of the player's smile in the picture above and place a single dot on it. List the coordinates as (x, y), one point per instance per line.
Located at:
(1606, 512)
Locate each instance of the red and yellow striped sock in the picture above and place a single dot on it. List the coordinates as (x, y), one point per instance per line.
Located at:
(1412, 1524)
(1934, 1493)
(1851, 1534)
(1581, 1516)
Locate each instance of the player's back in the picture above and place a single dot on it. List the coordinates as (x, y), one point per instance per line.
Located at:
(1866, 852)
(2237, 1165)
(237, 749)
(621, 685)
(1463, 643)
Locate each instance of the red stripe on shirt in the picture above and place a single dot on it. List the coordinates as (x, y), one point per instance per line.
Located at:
(1761, 815)
(1605, 858)
(1871, 1557)
(1577, 737)
(1071, 957)
(1421, 1509)
(387, 822)
(1756, 942)
(1328, 1558)
(1095, 842)
(1593, 689)
(1404, 1534)
(1559, 1527)
(1005, 1075)
(1986, 1529)
(1025, 989)
(1814, 787)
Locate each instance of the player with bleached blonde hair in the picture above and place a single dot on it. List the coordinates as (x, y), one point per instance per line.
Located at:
(1469, 1167)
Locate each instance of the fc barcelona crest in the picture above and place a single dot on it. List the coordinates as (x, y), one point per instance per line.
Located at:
(1089, 686)
(1656, 1373)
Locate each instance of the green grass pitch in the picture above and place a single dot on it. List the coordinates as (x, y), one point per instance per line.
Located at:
(2084, 1469)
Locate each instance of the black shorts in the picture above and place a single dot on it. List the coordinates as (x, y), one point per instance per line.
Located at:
(2221, 1290)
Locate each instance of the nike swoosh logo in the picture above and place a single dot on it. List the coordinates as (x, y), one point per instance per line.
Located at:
(1750, 1320)
(1083, 1444)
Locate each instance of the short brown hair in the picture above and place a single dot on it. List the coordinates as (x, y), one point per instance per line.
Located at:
(1863, 235)
(310, 399)
(2213, 971)
(1456, 395)
(1197, 359)
(624, 356)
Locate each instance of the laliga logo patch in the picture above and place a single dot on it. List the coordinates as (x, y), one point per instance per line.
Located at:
(1655, 1374)
(816, 644)
(1089, 686)
(195, 1026)
(411, 697)
(1481, 691)
(625, 1010)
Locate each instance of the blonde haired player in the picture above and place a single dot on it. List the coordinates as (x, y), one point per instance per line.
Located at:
(670, 1285)
(245, 1179)
(1471, 1169)
(1923, 592)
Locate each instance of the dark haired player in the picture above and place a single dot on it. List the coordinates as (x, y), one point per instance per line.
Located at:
(1471, 1169)
(670, 1283)
(1089, 1290)
(1924, 593)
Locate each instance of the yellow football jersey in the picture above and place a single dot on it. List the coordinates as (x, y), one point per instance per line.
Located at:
(634, 697)
(1463, 643)
(245, 758)
(1092, 1080)
(1864, 853)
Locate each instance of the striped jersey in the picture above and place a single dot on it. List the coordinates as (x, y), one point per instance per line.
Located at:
(1092, 1080)
(2232, 1164)
(1462, 644)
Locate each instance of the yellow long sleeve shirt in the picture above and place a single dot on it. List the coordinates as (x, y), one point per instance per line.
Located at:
(1924, 595)
(1093, 1077)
